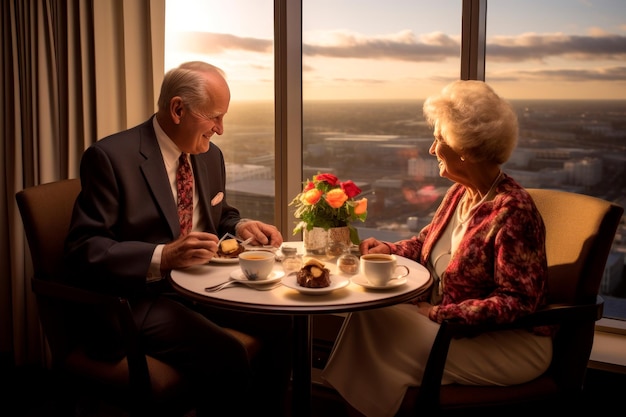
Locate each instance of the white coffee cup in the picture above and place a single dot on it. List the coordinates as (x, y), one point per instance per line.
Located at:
(257, 265)
(380, 268)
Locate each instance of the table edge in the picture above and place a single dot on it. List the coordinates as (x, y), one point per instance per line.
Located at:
(308, 309)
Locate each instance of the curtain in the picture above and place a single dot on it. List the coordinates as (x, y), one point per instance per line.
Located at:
(69, 79)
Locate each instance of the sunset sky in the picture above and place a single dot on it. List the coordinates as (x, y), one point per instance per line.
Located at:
(408, 49)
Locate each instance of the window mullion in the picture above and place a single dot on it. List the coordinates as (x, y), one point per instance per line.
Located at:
(288, 109)
(473, 39)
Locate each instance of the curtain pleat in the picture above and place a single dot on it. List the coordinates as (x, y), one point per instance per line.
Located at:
(68, 80)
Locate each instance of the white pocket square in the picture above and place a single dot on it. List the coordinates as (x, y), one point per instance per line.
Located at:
(217, 199)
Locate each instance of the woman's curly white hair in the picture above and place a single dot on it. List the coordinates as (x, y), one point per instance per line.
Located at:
(474, 121)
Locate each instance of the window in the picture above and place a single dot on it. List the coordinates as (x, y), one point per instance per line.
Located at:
(238, 37)
(563, 76)
(365, 72)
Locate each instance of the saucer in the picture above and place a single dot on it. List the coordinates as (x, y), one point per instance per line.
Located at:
(238, 275)
(393, 283)
(336, 282)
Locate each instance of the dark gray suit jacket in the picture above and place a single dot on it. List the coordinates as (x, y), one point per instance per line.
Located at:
(126, 208)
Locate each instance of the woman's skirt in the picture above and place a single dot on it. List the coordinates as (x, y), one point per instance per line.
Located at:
(379, 353)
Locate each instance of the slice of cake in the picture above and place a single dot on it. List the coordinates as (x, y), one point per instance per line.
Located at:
(313, 275)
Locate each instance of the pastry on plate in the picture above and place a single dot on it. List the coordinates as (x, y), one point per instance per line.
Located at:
(229, 248)
(313, 274)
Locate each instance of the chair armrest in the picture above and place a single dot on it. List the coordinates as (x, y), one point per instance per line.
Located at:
(551, 315)
(74, 295)
(139, 376)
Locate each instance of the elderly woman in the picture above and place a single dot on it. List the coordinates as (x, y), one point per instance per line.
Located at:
(485, 248)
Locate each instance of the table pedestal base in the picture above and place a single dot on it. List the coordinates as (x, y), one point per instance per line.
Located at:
(302, 362)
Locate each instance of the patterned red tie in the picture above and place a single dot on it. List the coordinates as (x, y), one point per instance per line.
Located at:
(184, 188)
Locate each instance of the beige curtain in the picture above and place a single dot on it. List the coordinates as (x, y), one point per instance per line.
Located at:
(73, 72)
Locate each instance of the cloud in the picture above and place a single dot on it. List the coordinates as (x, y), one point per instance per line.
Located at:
(401, 46)
(538, 47)
(214, 43)
(405, 46)
(612, 74)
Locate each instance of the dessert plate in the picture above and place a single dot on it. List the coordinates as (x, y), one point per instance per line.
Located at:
(336, 282)
(275, 275)
(363, 282)
(220, 260)
(229, 260)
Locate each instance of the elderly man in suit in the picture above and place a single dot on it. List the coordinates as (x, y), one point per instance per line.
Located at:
(133, 224)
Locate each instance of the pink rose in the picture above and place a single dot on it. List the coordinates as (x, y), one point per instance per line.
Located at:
(310, 185)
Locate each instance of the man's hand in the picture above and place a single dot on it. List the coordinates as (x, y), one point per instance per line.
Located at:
(261, 233)
(193, 249)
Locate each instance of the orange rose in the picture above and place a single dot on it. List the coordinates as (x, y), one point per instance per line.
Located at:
(336, 197)
(361, 207)
(311, 197)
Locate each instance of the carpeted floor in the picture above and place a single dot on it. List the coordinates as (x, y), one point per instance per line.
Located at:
(31, 393)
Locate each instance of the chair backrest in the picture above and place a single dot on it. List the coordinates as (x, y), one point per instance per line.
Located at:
(46, 211)
(579, 234)
(66, 312)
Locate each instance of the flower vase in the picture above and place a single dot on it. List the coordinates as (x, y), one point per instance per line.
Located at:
(316, 239)
(339, 234)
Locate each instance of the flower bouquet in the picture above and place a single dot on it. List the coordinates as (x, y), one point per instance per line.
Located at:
(327, 203)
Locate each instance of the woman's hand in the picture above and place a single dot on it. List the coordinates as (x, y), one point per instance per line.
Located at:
(371, 245)
(423, 307)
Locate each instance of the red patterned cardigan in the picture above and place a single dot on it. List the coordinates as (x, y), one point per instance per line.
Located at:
(499, 270)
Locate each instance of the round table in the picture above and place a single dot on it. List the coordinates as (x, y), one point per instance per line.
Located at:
(191, 283)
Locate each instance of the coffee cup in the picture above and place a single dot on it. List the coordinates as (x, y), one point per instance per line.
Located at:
(380, 268)
(256, 265)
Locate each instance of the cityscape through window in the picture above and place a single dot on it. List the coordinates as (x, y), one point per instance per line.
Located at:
(366, 70)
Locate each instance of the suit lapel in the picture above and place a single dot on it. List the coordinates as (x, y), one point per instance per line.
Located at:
(153, 169)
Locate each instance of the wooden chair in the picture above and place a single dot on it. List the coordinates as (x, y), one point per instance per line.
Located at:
(580, 232)
(140, 384)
